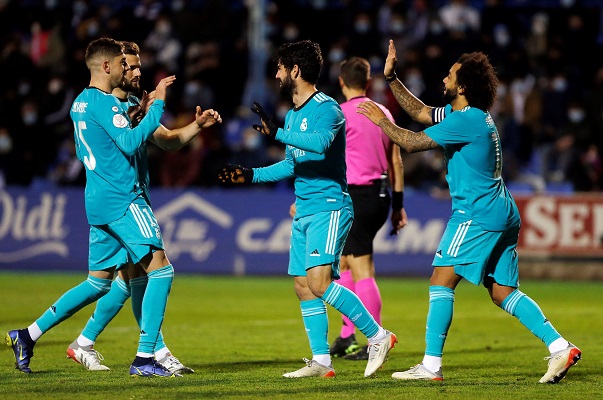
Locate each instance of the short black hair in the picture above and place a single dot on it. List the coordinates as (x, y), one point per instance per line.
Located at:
(103, 47)
(477, 76)
(305, 54)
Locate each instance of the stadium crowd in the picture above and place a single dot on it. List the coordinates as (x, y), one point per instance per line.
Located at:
(549, 109)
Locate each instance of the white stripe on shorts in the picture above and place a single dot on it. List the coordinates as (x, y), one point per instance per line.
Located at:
(140, 221)
(332, 235)
(458, 238)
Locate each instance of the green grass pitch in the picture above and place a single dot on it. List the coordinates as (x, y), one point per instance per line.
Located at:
(241, 334)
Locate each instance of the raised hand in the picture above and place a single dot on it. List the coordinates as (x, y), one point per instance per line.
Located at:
(207, 118)
(389, 70)
(268, 127)
(235, 174)
(161, 89)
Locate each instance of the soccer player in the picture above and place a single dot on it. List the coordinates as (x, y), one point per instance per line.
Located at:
(480, 240)
(315, 155)
(132, 281)
(369, 154)
(122, 225)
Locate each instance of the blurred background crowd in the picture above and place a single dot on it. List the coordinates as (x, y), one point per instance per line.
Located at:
(548, 54)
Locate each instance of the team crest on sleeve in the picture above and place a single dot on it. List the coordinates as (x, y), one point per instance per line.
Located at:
(120, 121)
(114, 109)
(304, 125)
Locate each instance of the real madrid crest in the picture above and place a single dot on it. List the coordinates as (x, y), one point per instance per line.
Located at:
(304, 124)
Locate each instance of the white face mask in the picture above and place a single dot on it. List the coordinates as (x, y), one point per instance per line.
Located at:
(501, 35)
(6, 144)
(559, 84)
(54, 86)
(336, 55)
(252, 142)
(576, 115)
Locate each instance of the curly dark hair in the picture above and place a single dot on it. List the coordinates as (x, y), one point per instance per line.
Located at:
(477, 76)
(305, 54)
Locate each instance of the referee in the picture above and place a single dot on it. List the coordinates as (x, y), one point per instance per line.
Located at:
(373, 164)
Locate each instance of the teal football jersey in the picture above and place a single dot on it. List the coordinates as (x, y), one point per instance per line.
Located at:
(141, 158)
(106, 144)
(473, 167)
(315, 155)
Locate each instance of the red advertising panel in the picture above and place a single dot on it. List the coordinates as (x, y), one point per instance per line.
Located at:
(564, 226)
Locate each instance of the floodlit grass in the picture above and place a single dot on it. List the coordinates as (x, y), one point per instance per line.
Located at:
(242, 334)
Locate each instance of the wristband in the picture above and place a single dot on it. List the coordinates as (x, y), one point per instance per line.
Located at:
(247, 174)
(397, 200)
(391, 78)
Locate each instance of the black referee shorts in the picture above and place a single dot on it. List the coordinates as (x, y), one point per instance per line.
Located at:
(370, 213)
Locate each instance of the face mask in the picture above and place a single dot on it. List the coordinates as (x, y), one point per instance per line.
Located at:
(290, 33)
(397, 27)
(415, 81)
(251, 142)
(54, 86)
(92, 29)
(177, 5)
(378, 85)
(191, 88)
(163, 28)
(281, 112)
(336, 55)
(79, 7)
(30, 118)
(575, 115)
(501, 36)
(559, 84)
(376, 63)
(539, 24)
(436, 28)
(362, 26)
(6, 144)
(319, 4)
(24, 88)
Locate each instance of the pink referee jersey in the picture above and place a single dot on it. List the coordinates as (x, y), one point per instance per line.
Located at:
(366, 145)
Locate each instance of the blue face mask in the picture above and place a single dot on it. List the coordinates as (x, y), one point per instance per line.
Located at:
(30, 118)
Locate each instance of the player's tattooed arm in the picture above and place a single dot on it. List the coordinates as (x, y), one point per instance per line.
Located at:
(414, 107)
(410, 141)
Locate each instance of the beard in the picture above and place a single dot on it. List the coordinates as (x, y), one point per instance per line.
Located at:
(450, 95)
(131, 87)
(287, 88)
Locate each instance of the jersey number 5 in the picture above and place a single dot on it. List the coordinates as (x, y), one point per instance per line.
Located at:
(89, 160)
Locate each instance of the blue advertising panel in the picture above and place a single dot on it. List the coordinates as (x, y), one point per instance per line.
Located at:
(235, 231)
